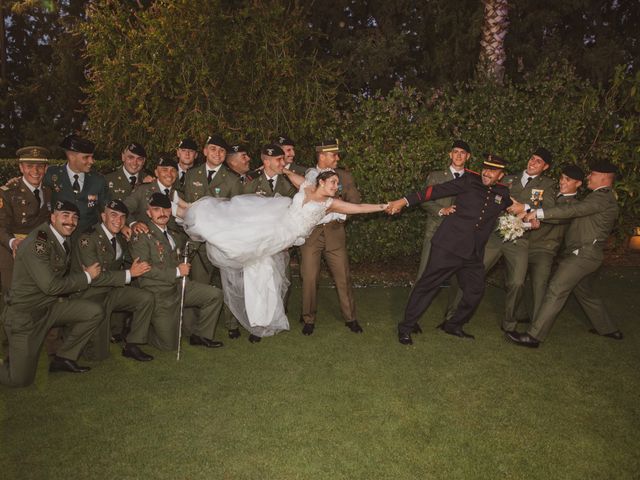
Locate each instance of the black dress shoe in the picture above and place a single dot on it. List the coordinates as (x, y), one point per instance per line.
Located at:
(354, 326)
(234, 333)
(59, 364)
(204, 342)
(507, 331)
(416, 329)
(132, 350)
(522, 339)
(458, 332)
(308, 328)
(254, 338)
(405, 338)
(617, 335)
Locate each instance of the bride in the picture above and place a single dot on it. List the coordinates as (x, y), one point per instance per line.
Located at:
(248, 236)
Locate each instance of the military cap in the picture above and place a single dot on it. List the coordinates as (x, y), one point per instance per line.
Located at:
(118, 206)
(188, 143)
(217, 140)
(66, 206)
(461, 144)
(272, 150)
(494, 162)
(332, 145)
(603, 166)
(237, 148)
(74, 143)
(544, 154)
(159, 200)
(166, 160)
(137, 149)
(284, 140)
(573, 171)
(33, 155)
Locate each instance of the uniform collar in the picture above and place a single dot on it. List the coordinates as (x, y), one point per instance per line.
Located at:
(31, 187)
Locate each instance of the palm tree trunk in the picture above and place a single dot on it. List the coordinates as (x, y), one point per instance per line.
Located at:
(494, 31)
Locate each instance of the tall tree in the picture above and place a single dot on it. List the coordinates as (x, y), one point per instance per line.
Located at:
(492, 44)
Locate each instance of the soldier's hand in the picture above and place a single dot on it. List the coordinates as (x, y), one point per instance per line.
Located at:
(396, 206)
(126, 232)
(148, 179)
(530, 217)
(140, 227)
(139, 268)
(535, 223)
(14, 246)
(12, 181)
(516, 208)
(184, 269)
(93, 270)
(447, 210)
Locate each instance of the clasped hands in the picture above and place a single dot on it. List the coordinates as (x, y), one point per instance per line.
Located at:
(396, 207)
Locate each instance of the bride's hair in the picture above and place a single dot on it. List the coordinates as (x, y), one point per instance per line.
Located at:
(328, 173)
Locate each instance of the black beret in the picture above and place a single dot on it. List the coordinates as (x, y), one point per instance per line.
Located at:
(188, 143)
(544, 154)
(461, 144)
(167, 160)
(494, 161)
(66, 206)
(284, 140)
(33, 155)
(217, 140)
(159, 200)
(137, 149)
(573, 171)
(118, 206)
(331, 145)
(272, 150)
(76, 144)
(603, 166)
(237, 148)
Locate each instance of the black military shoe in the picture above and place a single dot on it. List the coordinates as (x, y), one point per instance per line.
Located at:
(59, 364)
(132, 350)
(405, 339)
(617, 335)
(455, 331)
(354, 326)
(254, 338)
(522, 339)
(308, 328)
(204, 342)
(416, 329)
(234, 333)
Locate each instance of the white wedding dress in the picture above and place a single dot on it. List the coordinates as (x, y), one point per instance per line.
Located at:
(247, 237)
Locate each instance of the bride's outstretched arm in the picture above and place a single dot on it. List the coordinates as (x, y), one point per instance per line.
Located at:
(340, 206)
(293, 177)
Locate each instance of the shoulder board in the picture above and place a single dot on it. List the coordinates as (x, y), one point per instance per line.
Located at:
(466, 170)
(42, 236)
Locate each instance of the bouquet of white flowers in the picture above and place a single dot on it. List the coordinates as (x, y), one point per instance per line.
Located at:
(510, 227)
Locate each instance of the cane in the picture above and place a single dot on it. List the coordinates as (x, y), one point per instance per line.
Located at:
(185, 259)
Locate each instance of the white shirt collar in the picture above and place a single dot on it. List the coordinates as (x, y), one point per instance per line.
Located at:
(129, 175)
(71, 173)
(31, 187)
(454, 171)
(274, 178)
(526, 175)
(60, 238)
(600, 188)
(162, 187)
(106, 231)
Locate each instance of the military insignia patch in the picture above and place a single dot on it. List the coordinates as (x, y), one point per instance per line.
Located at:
(84, 243)
(110, 184)
(42, 236)
(54, 178)
(196, 184)
(91, 200)
(40, 248)
(498, 199)
(537, 197)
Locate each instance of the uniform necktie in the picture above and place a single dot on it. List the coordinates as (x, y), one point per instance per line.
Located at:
(182, 178)
(271, 183)
(243, 179)
(528, 180)
(456, 174)
(113, 244)
(166, 192)
(36, 193)
(76, 184)
(132, 180)
(65, 245)
(210, 175)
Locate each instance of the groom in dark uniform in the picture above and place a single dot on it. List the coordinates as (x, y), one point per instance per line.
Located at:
(458, 245)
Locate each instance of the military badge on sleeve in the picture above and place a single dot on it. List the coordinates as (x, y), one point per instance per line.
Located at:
(84, 243)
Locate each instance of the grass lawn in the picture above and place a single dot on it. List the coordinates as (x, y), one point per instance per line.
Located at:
(338, 405)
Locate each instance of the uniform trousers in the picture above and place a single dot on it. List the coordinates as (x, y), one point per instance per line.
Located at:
(575, 273)
(535, 287)
(441, 266)
(27, 330)
(329, 240)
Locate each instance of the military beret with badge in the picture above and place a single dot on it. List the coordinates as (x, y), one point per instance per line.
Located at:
(137, 149)
(167, 160)
(461, 144)
(74, 143)
(544, 154)
(284, 140)
(159, 200)
(66, 206)
(573, 171)
(237, 148)
(117, 206)
(217, 140)
(188, 144)
(272, 150)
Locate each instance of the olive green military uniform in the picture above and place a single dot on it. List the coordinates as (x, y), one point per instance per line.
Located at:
(593, 220)
(90, 200)
(119, 184)
(329, 239)
(296, 168)
(261, 186)
(225, 184)
(110, 290)
(38, 300)
(162, 282)
(544, 244)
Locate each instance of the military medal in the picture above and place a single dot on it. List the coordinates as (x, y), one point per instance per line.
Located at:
(91, 199)
(536, 197)
(498, 199)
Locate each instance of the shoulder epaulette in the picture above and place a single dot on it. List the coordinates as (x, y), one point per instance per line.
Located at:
(42, 235)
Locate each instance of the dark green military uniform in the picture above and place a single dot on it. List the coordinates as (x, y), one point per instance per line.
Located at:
(162, 282)
(296, 168)
(91, 199)
(38, 300)
(593, 220)
(119, 184)
(261, 186)
(516, 254)
(110, 289)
